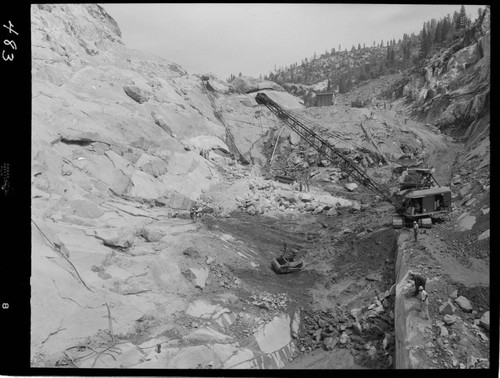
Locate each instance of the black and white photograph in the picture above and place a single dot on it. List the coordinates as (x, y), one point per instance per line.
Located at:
(277, 186)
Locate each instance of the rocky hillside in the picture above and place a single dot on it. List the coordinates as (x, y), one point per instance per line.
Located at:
(133, 122)
(120, 138)
(452, 88)
(342, 70)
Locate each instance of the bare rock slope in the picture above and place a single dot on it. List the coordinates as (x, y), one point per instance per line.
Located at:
(119, 148)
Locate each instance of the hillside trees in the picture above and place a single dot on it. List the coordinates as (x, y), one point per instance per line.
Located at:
(425, 43)
(344, 68)
(462, 20)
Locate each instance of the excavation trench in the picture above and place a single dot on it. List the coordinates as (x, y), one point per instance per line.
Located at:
(349, 267)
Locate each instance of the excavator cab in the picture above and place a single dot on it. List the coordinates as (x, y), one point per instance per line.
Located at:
(423, 205)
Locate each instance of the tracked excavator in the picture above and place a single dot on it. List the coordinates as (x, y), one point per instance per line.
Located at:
(419, 198)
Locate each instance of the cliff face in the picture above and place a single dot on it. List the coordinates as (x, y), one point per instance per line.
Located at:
(453, 86)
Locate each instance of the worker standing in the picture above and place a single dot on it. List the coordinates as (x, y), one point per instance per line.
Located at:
(419, 281)
(307, 177)
(415, 230)
(424, 303)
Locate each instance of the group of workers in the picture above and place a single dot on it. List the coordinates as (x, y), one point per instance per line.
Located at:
(303, 180)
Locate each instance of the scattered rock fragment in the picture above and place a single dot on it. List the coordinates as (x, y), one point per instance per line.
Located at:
(191, 252)
(199, 276)
(444, 332)
(330, 342)
(136, 93)
(152, 234)
(449, 319)
(482, 336)
(464, 303)
(373, 277)
(447, 308)
(485, 321)
(343, 338)
(355, 312)
(351, 186)
(356, 328)
(484, 235)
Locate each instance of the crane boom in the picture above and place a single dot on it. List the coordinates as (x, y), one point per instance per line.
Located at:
(319, 143)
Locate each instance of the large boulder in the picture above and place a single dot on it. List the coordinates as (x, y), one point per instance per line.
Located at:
(247, 84)
(199, 276)
(485, 321)
(112, 237)
(140, 95)
(351, 186)
(464, 303)
(447, 308)
(207, 143)
(284, 99)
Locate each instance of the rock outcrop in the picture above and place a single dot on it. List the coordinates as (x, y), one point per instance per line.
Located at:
(452, 88)
(247, 84)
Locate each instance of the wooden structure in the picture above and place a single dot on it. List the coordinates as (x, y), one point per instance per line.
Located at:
(324, 99)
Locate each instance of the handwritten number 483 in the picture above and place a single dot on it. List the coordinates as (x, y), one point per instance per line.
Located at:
(10, 43)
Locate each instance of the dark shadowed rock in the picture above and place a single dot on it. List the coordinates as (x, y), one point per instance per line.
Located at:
(192, 253)
(447, 308)
(160, 121)
(137, 94)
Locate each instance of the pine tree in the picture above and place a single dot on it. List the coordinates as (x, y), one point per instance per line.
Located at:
(462, 20)
(455, 23)
(438, 35)
(424, 43)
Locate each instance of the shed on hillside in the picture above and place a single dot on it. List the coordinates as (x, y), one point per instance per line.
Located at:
(324, 99)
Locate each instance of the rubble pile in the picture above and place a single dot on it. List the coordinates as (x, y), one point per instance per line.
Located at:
(448, 331)
(204, 206)
(222, 276)
(265, 196)
(295, 159)
(367, 331)
(269, 301)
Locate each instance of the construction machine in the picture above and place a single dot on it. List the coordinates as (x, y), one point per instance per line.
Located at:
(419, 200)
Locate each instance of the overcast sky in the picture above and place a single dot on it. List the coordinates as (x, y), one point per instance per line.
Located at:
(251, 38)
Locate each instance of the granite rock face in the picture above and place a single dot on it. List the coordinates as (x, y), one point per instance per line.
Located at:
(119, 145)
